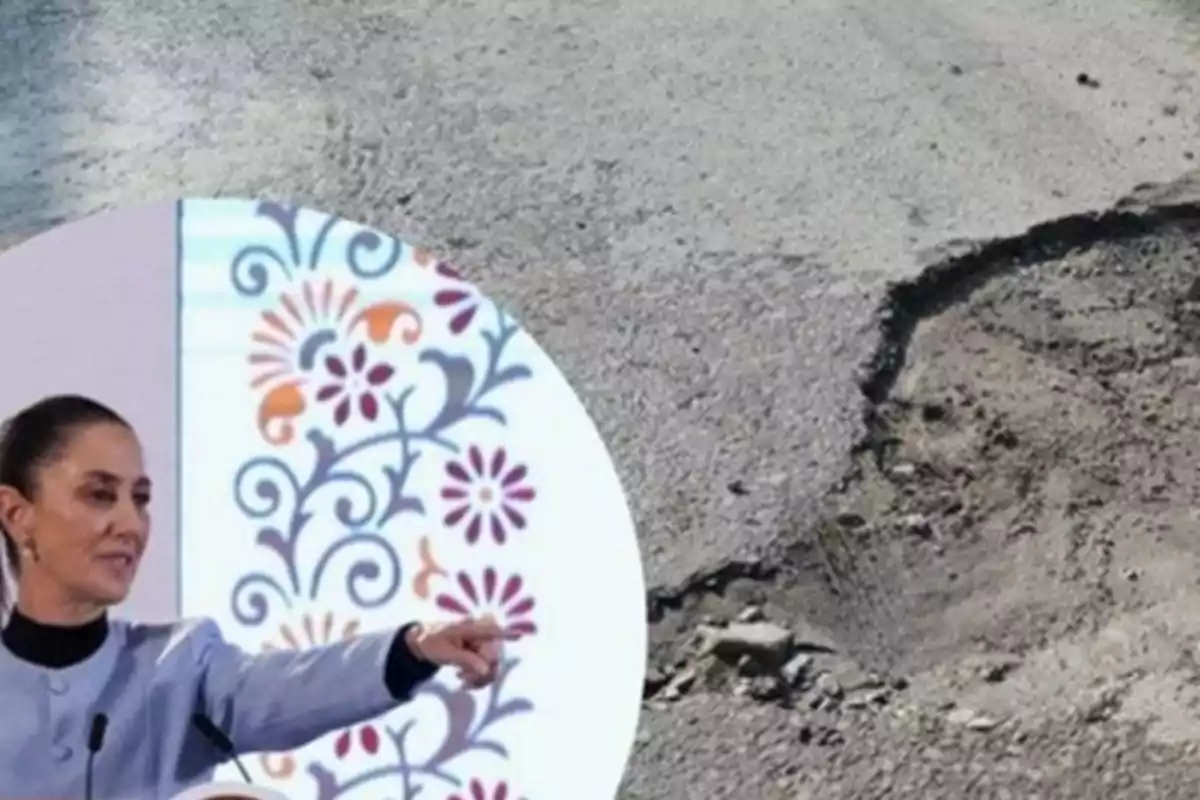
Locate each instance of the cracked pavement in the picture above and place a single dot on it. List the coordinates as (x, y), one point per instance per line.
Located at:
(697, 214)
(1015, 541)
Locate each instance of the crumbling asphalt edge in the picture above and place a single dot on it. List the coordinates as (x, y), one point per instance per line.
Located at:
(954, 271)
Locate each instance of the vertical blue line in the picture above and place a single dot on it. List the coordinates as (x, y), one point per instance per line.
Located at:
(179, 572)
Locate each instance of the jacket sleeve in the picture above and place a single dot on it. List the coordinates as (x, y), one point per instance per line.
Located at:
(283, 700)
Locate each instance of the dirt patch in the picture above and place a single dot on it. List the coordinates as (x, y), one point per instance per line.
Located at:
(1019, 535)
(1033, 471)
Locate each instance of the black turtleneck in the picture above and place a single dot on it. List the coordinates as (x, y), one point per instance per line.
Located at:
(53, 646)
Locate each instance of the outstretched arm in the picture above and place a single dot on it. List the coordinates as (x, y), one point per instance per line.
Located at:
(285, 699)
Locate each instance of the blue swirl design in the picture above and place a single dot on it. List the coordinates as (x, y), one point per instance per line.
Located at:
(255, 265)
(362, 561)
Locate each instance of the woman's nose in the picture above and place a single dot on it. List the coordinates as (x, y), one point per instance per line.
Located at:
(131, 520)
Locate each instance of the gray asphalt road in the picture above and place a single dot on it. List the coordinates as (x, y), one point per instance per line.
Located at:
(693, 207)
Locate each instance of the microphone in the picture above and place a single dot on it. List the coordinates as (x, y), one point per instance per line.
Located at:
(94, 743)
(218, 739)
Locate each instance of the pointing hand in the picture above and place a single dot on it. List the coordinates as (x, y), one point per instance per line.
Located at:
(473, 646)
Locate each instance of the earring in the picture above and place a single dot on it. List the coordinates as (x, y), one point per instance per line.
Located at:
(30, 550)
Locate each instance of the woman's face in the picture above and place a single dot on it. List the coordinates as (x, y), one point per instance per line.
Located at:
(88, 521)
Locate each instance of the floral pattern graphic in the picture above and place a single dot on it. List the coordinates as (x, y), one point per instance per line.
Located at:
(430, 570)
(487, 494)
(505, 600)
(459, 299)
(312, 631)
(292, 336)
(372, 405)
(354, 381)
(477, 790)
(469, 731)
(367, 738)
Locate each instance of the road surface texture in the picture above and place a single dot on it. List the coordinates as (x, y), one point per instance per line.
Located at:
(916, 513)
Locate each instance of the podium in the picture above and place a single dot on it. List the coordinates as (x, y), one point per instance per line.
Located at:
(228, 791)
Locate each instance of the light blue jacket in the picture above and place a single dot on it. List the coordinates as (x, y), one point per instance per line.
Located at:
(150, 680)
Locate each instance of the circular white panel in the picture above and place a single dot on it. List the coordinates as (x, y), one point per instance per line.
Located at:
(367, 440)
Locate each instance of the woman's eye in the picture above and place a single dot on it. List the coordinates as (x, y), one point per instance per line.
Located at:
(104, 497)
(141, 500)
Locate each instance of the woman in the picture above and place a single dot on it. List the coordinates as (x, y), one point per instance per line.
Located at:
(74, 516)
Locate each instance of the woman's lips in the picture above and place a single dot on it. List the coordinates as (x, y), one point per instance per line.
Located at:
(120, 562)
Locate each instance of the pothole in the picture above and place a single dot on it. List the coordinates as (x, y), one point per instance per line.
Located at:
(1033, 463)
(1030, 474)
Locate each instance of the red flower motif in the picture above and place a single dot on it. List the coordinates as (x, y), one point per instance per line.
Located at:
(368, 740)
(477, 791)
(355, 378)
(488, 596)
(486, 492)
(463, 298)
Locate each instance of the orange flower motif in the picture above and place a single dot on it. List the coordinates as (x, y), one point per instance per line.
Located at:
(429, 570)
(293, 336)
(312, 631)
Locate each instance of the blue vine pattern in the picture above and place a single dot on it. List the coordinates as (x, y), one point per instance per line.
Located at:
(254, 264)
(269, 491)
(467, 731)
(465, 398)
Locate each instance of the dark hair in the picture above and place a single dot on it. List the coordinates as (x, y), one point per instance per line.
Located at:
(35, 436)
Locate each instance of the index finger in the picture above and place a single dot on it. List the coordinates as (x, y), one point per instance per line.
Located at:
(486, 629)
